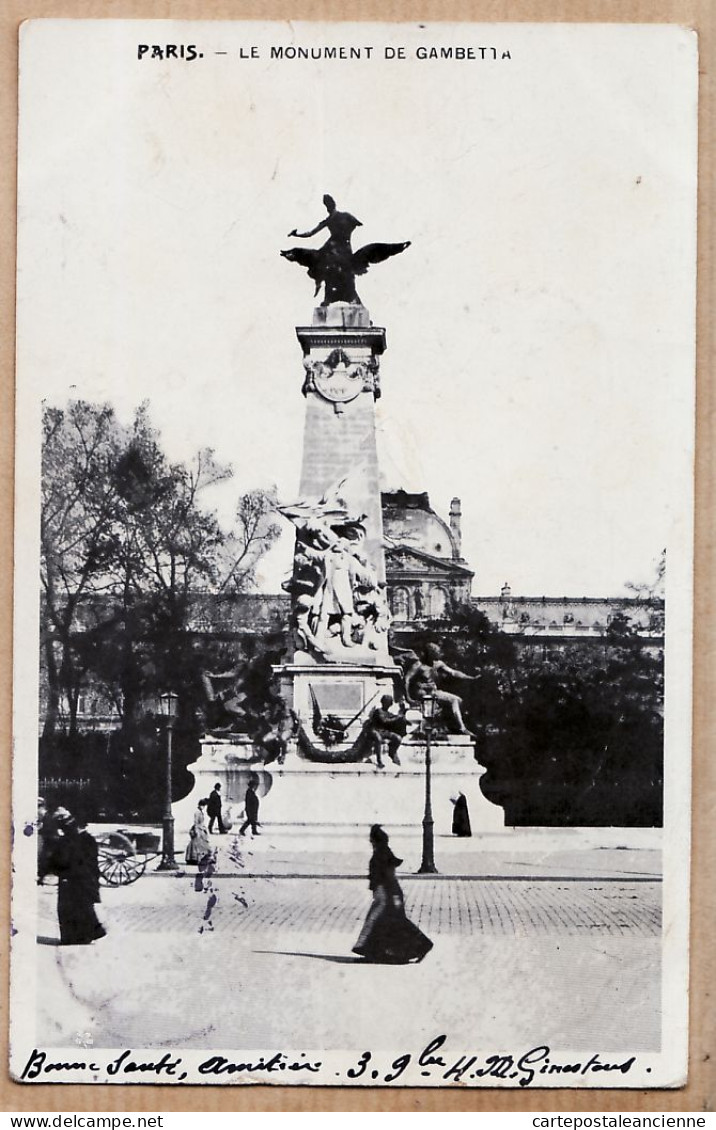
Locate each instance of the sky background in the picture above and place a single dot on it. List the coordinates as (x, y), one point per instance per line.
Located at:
(540, 327)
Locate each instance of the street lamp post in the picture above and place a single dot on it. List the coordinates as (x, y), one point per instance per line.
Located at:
(427, 865)
(168, 706)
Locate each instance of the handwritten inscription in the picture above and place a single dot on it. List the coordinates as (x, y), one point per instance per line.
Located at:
(434, 1063)
(520, 1070)
(39, 1064)
(219, 1065)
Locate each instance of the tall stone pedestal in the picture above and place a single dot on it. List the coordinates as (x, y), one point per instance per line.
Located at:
(339, 607)
(341, 666)
(341, 352)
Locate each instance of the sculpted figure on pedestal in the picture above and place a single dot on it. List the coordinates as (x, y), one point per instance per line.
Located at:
(339, 603)
(422, 680)
(336, 264)
(225, 700)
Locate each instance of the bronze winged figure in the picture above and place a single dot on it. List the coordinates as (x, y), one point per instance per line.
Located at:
(336, 264)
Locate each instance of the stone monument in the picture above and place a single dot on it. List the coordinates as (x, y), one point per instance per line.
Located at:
(340, 665)
(339, 680)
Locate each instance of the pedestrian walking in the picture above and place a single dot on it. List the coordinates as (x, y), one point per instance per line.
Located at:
(251, 805)
(75, 862)
(213, 809)
(388, 936)
(198, 847)
(460, 816)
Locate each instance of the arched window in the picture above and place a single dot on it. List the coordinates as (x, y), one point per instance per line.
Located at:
(438, 603)
(401, 604)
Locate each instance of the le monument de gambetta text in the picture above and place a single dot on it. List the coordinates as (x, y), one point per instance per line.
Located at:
(190, 52)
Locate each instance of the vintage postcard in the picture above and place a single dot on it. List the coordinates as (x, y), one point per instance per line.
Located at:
(355, 413)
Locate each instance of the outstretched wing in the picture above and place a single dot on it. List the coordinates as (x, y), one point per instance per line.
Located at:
(364, 257)
(333, 501)
(307, 258)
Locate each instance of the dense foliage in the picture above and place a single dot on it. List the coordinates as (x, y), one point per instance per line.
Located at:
(127, 540)
(570, 733)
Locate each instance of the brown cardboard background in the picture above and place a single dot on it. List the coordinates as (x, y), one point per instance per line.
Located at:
(700, 1094)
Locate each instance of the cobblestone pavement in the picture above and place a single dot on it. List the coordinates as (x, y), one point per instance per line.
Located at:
(456, 907)
(514, 963)
(543, 940)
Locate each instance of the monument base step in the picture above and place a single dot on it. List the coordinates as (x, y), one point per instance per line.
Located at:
(306, 792)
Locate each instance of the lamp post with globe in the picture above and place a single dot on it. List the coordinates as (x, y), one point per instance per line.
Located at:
(427, 866)
(168, 703)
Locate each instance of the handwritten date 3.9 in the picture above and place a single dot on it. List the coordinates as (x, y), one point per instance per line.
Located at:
(434, 1063)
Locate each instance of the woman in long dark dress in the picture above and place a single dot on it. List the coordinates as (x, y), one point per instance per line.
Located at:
(76, 866)
(388, 935)
(460, 816)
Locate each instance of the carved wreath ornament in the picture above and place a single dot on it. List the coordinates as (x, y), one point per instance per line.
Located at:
(340, 380)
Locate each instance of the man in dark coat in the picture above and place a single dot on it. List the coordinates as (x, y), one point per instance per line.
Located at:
(252, 807)
(213, 808)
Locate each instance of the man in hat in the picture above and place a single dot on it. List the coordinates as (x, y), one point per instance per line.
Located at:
(213, 809)
(251, 804)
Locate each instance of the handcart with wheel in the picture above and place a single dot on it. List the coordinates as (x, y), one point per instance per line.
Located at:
(123, 855)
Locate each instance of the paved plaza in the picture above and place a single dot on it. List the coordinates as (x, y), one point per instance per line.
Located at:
(531, 936)
(453, 907)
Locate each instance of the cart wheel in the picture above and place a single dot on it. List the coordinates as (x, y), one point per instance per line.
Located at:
(118, 861)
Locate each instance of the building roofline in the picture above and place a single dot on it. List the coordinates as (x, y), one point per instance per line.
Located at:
(628, 600)
(452, 564)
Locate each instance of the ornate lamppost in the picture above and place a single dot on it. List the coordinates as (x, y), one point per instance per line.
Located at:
(168, 706)
(427, 866)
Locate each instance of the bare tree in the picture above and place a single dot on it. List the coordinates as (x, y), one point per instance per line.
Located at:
(651, 591)
(255, 532)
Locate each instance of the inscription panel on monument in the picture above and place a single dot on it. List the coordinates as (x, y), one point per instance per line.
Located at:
(339, 697)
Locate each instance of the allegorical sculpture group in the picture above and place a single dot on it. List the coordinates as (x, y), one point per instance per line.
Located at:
(339, 602)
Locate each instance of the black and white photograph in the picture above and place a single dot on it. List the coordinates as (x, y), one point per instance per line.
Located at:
(353, 549)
